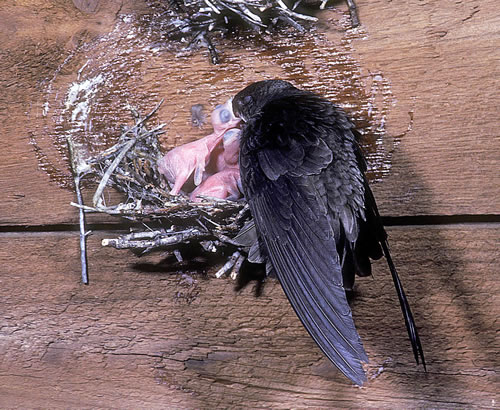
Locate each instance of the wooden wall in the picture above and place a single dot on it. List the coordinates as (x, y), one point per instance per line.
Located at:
(145, 334)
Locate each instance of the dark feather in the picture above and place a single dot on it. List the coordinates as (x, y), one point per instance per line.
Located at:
(418, 351)
(317, 222)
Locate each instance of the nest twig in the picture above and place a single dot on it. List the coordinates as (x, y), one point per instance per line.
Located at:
(170, 220)
(199, 18)
(78, 169)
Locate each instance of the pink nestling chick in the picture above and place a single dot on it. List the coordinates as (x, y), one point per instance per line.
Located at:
(231, 144)
(224, 184)
(191, 159)
(227, 155)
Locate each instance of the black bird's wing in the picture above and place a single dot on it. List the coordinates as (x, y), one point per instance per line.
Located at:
(305, 188)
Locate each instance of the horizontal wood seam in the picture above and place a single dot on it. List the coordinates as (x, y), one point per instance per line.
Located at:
(399, 221)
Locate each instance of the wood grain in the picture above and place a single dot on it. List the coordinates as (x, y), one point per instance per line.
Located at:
(148, 333)
(148, 336)
(440, 60)
(443, 66)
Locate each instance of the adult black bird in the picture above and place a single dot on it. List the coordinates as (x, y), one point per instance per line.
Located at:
(302, 173)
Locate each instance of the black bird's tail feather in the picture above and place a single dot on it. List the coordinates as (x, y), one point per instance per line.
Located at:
(405, 308)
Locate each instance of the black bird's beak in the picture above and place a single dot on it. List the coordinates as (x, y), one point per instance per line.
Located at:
(233, 114)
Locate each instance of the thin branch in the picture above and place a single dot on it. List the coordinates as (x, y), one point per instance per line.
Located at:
(237, 266)
(160, 241)
(353, 11)
(97, 200)
(291, 13)
(228, 266)
(77, 168)
(104, 181)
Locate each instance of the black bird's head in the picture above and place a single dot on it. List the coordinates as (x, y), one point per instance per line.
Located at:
(249, 101)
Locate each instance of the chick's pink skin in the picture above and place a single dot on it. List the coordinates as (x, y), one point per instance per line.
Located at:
(231, 144)
(227, 155)
(181, 162)
(223, 184)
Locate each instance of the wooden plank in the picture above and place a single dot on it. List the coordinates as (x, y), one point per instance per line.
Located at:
(442, 62)
(156, 336)
(434, 61)
(37, 37)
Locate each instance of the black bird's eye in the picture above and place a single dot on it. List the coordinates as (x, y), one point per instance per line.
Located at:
(248, 99)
